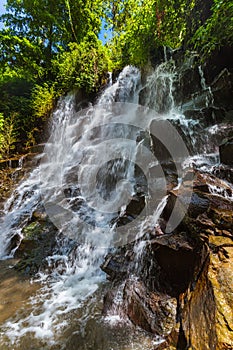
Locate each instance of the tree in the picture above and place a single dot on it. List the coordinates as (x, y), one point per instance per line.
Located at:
(217, 30)
(141, 26)
(37, 30)
(84, 65)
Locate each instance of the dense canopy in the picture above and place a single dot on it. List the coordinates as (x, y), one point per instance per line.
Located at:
(49, 47)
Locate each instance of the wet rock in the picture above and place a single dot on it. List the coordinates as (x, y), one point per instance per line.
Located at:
(226, 152)
(31, 160)
(202, 194)
(9, 178)
(178, 259)
(37, 244)
(39, 215)
(187, 203)
(117, 264)
(192, 265)
(167, 265)
(198, 317)
(222, 88)
(10, 163)
(207, 116)
(12, 171)
(135, 206)
(224, 172)
(133, 209)
(164, 140)
(169, 175)
(207, 309)
(155, 312)
(15, 241)
(112, 305)
(222, 218)
(38, 148)
(217, 62)
(152, 311)
(189, 83)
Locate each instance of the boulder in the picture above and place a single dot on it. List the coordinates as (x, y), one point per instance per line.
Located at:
(155, 312)
(39, 238)
(204, 195)
(226, 152)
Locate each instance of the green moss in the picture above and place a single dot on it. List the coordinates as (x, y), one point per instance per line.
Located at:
(32, 230)
(37, 244)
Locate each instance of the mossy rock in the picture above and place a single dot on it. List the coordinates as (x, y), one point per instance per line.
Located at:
(32, 231)
(38, 243)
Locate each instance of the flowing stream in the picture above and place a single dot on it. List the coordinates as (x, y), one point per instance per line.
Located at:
(85, 181)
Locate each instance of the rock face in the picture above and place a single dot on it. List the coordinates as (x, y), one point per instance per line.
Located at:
(182, 284)
(207, 309)
(226, 152)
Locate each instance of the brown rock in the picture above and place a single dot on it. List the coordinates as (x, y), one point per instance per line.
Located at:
(208, 312)
(193, 264)
(155, 312)
(205, 194)
(224, 172)
(222, 218)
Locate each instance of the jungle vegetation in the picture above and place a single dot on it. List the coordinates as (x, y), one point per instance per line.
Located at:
(49, 47)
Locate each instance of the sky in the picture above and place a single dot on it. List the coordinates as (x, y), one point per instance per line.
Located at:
(2, 2)
(101, 35)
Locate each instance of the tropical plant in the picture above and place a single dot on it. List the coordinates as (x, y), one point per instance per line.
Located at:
(217, 31)
(8, 135)
(83, 66)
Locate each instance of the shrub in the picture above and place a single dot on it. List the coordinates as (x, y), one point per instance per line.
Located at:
(8, 134)
(43, 97)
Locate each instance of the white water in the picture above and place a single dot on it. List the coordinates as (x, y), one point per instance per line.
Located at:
(205, 87)
(72, 158)
(222, 191)
(76, 274)
(69, 144)
(17, 212)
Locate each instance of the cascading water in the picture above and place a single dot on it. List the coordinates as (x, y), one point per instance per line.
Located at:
(86, 180)
(85, 234)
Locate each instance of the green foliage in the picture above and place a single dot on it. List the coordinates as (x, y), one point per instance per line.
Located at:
(18, 52)
(83, 65)
(8, 135)
(1, 133)
(46, 49)
(15, 98)
(50, 47)
(36, 30)
(31, 140)
(43, 97)
(142, 26)
(217, 31)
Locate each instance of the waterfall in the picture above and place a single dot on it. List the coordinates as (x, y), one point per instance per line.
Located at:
(87, 181)
(63, 183)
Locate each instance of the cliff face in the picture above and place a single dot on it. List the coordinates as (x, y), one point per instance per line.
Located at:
(181, 287)
(184, 288)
